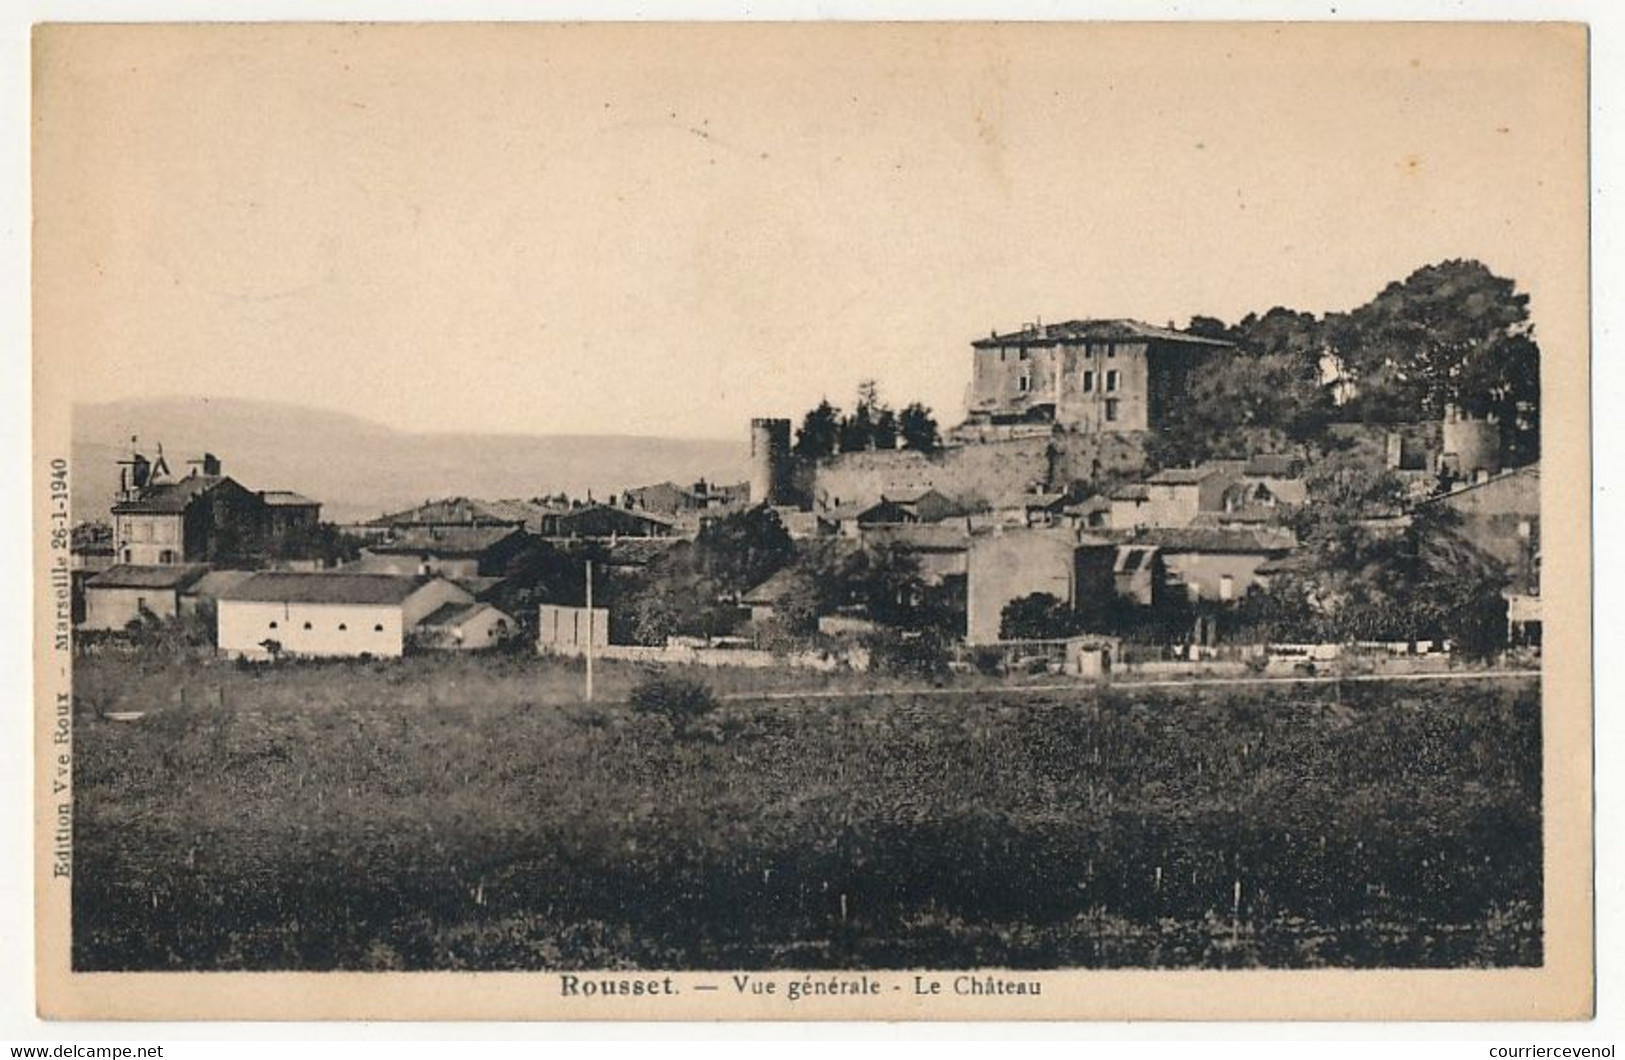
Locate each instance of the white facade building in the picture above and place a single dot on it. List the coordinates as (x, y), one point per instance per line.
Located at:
(335, 613)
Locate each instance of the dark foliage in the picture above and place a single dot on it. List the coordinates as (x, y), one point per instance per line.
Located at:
(376, 819)
(680, 701)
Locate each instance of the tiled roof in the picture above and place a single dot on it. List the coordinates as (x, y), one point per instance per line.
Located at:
(212, 584)
(1089, 505)
(287, 499)
(1217, 539)
(1133, 491)
(571, 514)
(446, 540)
(1184, 476)
(169, 498)
(1076, 330)
(136, 576)
(476, 585)
(465, 511)
(449, 616)
(328, 587)
(947, 536)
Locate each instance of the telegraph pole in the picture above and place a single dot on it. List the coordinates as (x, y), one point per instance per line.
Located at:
(589, 631)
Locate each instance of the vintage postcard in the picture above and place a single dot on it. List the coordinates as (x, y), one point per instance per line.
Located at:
(812, 521)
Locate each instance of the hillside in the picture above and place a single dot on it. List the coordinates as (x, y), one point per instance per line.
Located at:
(359, 469)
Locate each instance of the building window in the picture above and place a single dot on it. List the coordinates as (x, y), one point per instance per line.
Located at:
(1227, 587)
(379, 628)
(1024, 383)
(1088, 382)
(343, 627)
(127, 555)
(1023, 354)
(1111, 410)
(1111, 351)
(1112, 379)
(166, 556)
(273, 625)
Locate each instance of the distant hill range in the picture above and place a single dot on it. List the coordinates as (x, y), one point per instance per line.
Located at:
(359, 469)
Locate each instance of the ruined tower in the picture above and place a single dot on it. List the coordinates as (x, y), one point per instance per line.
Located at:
(770, 464)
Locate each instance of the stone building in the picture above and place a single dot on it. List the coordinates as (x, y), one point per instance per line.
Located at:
(129, 593)
(1087, 375)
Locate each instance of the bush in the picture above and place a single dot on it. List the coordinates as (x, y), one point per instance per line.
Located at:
(919, 653)
(682, 701)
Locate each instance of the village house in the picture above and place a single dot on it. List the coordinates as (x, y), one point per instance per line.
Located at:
(205, 516)
(1175, 496)
(1091, 513)
(1028, 508)
(938, 550)
(1006, 565)
(1269, 487)
(1087, 375)
(461, 511)
(1216, 564)
(330, 613)
(90, 552)
(927, 507)
(288, 514)
(673, 501)
(195, 519)
(465, 627)
(1129, 505)
(450, 551)
(129, 593)
(603, 521)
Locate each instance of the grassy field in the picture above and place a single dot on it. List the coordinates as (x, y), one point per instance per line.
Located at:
(460, 813)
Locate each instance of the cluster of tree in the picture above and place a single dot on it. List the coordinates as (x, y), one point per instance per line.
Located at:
(692, 588)
(1448, 335)
(872, 424)
(1373, 568)
(324, 541)
(882, 584)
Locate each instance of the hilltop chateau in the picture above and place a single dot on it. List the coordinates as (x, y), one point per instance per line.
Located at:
(1087, 375)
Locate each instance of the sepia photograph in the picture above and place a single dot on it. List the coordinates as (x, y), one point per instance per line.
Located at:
(833, 521)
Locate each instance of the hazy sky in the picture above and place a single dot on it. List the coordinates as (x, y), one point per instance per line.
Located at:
(665, 231)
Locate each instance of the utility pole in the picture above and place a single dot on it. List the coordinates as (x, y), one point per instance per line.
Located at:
(589, 631)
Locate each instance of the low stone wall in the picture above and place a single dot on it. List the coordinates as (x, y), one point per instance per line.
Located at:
(745, 658)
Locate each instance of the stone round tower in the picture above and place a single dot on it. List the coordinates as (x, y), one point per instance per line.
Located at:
(1472, 445)
(769, 461)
